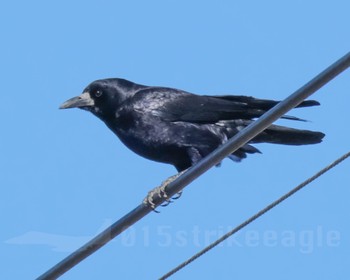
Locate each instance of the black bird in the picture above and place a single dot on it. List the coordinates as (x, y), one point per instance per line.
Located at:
(180, 128)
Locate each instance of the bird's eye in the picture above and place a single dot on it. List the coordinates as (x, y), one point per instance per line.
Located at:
(98, 93)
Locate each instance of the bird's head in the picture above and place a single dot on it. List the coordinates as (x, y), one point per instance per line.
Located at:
(103, 97)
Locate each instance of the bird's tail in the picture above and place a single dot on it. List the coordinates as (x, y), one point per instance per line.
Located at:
(277, 134)
(274, 134)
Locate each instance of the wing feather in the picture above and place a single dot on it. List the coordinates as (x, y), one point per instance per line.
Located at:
(175, 105)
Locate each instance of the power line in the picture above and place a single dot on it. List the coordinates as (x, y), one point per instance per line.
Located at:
(202, 166)
(258, 126)
(256, 216)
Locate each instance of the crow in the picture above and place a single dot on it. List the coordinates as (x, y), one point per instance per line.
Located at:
(180, 128)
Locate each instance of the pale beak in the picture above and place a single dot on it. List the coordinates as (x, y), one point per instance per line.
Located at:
(83, 100)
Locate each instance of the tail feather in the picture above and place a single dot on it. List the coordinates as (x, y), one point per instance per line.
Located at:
(276, 134)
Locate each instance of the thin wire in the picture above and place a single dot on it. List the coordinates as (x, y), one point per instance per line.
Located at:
(202, 166)
(256, 216)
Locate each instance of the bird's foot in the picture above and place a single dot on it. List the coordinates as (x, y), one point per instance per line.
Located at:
(161, 193)
(156, 192)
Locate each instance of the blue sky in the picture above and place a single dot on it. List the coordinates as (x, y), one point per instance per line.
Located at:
(65, 176)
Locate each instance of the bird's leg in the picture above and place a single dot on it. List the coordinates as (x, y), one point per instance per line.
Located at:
(161, 192)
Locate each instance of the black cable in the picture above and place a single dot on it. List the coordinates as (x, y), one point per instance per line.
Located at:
(202, 166)
(254, 217)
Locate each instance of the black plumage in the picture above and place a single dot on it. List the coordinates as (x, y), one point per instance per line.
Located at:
(177, 127)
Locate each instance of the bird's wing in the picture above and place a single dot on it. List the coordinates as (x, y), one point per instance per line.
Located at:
(175, 105)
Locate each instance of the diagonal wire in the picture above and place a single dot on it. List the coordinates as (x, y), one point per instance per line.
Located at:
(256, 216)
(201, 167)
